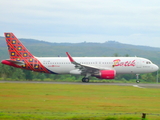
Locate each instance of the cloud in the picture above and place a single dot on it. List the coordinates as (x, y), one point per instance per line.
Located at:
(82, 20)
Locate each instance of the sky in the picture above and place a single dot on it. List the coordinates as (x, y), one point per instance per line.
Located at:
(134, 22)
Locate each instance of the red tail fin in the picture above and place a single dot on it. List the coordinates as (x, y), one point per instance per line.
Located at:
(20, 57)
(16, 49)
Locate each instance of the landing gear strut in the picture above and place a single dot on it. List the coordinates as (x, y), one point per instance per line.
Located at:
(137, 77)
(85, 80)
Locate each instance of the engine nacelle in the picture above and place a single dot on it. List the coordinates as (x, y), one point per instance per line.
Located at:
(106, 74)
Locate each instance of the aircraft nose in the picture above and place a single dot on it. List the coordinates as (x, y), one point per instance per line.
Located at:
(156, 68)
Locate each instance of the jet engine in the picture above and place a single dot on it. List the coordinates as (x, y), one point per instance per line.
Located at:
(106, 74)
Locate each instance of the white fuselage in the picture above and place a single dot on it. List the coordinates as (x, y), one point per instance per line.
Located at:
(122, 65)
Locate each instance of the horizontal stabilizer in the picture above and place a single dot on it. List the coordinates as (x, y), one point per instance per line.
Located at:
(13, 62)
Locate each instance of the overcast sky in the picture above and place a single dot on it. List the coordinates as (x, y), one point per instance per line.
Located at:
(126, 21)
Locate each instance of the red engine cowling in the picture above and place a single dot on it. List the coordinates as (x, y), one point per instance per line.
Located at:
(106, 74)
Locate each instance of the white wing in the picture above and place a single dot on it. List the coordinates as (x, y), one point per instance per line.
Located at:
(86, 68)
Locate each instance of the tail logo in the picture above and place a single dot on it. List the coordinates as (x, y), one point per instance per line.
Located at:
(19, 48)
(7, 35)
(13, 41)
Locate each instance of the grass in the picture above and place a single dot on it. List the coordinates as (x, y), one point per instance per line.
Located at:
(31, 101)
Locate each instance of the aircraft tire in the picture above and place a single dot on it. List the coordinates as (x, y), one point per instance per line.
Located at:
(137, 81)
(85, 80)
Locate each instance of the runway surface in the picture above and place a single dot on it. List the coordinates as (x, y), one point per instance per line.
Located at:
(139, 85)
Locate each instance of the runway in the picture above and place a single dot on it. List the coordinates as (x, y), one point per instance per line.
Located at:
(138, 85)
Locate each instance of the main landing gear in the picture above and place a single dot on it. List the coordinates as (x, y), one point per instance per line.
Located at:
(85, 80)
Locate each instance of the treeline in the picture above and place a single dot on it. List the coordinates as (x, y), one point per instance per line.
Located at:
(16, 74)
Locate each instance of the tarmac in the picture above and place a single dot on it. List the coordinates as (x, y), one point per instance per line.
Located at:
(138, 85)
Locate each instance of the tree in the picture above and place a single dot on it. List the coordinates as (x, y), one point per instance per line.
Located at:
(18, 74)
(127, 55)
(115, 55)
(28, 74)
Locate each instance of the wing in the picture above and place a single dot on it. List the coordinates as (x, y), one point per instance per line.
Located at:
(86, 69)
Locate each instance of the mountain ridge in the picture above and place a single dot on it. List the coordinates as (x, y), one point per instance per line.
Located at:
(110, 42)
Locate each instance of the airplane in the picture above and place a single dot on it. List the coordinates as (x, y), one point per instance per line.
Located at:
(100, 67)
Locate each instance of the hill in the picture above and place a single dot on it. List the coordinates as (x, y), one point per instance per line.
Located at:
(109, 48)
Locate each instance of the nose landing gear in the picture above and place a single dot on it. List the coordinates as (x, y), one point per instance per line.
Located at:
(137, 77)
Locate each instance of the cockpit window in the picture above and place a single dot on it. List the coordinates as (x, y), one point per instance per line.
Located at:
(148, 62)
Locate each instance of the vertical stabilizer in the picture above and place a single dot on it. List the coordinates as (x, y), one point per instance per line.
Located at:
(16, 49)
(20, 57)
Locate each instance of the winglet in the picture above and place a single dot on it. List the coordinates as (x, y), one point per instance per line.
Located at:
(70, 58)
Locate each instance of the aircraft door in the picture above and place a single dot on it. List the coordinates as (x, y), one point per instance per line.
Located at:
(138, 63)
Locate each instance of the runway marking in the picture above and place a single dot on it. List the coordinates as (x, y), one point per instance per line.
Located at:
(137, 86)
